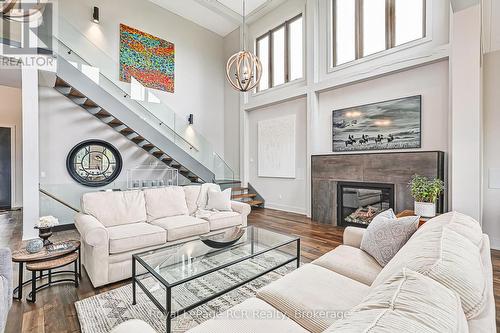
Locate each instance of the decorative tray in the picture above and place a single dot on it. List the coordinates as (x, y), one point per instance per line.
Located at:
(223, 239)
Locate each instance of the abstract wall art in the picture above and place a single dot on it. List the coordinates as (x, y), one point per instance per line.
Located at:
(394, 124)
(276, 147)
(148, 59)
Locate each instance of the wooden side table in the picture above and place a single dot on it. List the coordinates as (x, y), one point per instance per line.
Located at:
(46, 261)
(408, 212)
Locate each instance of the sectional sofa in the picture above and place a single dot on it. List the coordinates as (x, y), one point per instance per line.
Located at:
(440, 281)
(115, 225)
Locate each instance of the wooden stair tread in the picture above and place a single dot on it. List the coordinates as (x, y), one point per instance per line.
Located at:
(254, 202)
(244, 195)
(239, 189)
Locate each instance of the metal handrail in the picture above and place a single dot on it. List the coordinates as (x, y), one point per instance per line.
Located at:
(53, 197)
(125, 94)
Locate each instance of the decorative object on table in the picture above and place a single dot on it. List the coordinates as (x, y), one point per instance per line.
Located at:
(387, 234)
(147, 59)
(244, 69)
(223, 239)
(34, 245)
(44, 226)
(394, 124)
(426, 193)
(94, 163)
(59, 247)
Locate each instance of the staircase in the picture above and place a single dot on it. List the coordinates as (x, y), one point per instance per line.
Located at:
(243, 194)
(137, 125)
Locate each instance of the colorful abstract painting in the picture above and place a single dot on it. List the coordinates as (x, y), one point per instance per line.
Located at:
(148, 59)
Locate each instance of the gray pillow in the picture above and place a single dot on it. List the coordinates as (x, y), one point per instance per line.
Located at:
(386, 235)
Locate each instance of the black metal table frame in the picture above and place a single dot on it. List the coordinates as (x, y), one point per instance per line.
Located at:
(34, 277)
(167, 311)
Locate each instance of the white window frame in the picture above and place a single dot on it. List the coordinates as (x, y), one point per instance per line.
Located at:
(426, 25)
(269, 34)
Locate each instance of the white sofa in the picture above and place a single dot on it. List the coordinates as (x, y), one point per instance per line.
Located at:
(115, 225)
(457, 289)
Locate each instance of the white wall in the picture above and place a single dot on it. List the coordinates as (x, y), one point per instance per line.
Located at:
(63, 125)
(199, 61)
(281, 193)
(232, 110)
(466, 121)
(491, 167)
(430, 81)
(11, 115)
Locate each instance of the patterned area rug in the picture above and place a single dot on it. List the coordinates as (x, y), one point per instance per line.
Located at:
(100, 313)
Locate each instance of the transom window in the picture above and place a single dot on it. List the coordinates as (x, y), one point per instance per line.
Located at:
(280, 51)
(364, 27)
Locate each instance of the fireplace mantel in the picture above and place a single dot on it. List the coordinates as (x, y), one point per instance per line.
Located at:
(395, 168)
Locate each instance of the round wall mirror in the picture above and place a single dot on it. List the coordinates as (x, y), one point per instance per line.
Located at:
(94, 163)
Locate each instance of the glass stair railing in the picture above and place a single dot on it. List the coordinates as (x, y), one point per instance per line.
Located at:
(93, 62)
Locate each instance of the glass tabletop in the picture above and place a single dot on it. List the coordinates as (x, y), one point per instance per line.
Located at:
(178, 263)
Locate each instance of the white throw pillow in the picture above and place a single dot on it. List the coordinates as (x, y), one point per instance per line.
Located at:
(386, 235)
(203, 197)
(406, 302)
(219, 200)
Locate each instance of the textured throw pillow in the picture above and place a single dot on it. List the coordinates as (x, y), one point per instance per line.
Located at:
(219, 200)
(406, 302)
(385, 236)
(447, 257)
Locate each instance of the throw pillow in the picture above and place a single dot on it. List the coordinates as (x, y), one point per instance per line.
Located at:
(406, 302)
(385, 236)
(203, 197)
(219, 200)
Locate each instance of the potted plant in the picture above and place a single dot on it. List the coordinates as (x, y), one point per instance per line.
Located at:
(44, 226)
(426, 191)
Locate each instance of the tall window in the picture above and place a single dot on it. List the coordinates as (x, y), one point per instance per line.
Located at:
(364, 27)
(280, 51)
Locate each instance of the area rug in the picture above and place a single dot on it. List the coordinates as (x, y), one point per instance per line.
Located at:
(100, 313)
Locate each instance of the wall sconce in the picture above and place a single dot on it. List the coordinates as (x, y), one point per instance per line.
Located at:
(191, 119)
(95, 14)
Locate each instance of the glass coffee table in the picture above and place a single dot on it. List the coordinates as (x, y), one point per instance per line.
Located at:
(160, 272)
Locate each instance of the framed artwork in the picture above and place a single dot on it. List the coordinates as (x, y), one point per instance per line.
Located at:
(395, 124)
(148, 59)
(276, 147)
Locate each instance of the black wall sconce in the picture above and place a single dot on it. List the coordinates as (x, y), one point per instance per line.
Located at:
(95, 14)
(191, 119)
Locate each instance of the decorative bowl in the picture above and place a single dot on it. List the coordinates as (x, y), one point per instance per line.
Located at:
(223, 239)
(34, 245)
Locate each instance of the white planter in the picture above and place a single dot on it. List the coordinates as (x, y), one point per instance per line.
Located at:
(425, 209)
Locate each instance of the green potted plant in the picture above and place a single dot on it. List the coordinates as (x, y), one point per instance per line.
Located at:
(426, 192)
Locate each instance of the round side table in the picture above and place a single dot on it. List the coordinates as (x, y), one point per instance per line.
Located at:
(46, 260)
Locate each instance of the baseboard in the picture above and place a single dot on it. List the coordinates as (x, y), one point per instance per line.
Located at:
(285, 208)
(64, 227)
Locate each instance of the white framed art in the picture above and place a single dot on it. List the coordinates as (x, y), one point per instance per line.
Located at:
(276, 147)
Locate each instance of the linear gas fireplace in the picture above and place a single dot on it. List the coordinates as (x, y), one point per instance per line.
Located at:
(358, 203)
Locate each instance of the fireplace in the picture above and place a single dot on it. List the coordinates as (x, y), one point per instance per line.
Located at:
(358, 202)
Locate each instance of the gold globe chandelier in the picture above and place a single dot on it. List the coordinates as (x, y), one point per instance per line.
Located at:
(244, 69)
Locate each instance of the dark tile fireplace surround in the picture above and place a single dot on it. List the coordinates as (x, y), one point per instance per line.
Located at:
(350, 189)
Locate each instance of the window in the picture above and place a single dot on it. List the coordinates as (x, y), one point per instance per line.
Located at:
(364, 27)
(281, 53)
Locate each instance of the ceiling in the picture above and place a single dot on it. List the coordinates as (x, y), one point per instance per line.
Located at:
(219, 16)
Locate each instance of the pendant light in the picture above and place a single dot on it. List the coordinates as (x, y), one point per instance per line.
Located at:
(244, 69)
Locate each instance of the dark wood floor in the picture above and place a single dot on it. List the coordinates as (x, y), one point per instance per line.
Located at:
(54, 311)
